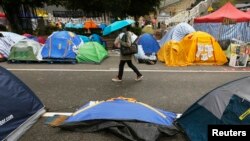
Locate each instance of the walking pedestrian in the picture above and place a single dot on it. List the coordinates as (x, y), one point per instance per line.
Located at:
(125, 58)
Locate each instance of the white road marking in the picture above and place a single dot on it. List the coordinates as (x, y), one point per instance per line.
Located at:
(116, 69)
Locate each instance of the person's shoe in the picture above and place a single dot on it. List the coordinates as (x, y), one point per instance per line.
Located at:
(139, 78)
(116, 79)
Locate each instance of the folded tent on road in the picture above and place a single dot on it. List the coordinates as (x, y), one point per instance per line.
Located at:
(126, 117)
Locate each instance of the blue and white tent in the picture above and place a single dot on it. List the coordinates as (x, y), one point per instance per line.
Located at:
(225, 105)
(20, 107)
(148, 43)
(61, 45)
(177, 33)
(131, 119)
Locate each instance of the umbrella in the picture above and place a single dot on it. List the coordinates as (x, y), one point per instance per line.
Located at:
(117, 25)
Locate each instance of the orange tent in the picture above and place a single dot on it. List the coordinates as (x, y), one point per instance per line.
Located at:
(90, 24)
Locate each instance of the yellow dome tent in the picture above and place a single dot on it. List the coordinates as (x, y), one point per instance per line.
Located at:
(196, 48)
(173, 54)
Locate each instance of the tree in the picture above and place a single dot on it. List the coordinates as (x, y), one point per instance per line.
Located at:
(118, 8)
(220, 3)
(13, 10)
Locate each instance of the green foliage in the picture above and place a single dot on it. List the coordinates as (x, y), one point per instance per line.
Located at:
(3, 28)
(118, 8)
(220, 3)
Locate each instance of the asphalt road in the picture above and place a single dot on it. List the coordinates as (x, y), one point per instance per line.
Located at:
(66, 87)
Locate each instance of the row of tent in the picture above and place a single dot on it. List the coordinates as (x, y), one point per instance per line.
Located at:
(182, 45)
(87, 25)
(133, 120)
(59, 46)
(67, 46)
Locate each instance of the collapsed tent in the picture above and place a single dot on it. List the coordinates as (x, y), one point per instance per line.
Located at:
(196, 48)
(61, 45)
(126, 117)
(91, 52)
(226, 23)
(25, 50)
(177, 33)
(226, 105)
(20, 107)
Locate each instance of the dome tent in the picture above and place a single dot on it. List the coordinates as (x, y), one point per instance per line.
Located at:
(61, 45)
(20, 107)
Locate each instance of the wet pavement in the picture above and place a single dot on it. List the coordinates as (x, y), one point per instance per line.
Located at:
(65, 87)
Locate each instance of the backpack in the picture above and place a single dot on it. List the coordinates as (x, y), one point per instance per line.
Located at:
(125, 50)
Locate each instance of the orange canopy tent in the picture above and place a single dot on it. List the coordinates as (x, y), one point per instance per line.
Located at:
(90, 24)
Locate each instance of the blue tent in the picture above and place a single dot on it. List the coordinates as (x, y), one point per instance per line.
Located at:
(85, 39)
(69, 25)
(19, 106)
(149, 44)
(102, 26)
(225, 105)
(177, 33)
(78, 26)
(97, 38)
(61, 45)
(128, 118)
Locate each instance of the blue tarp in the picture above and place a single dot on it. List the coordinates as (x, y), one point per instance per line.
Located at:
(19, 106)
(61, 45)
(240, 31)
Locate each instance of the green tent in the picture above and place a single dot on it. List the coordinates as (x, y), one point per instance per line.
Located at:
(22, 54)
(25, 50)
(91, 52)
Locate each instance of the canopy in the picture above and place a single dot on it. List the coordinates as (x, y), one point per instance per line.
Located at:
(228, 11)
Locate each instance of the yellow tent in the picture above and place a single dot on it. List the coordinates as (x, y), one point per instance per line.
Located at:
(172, 54)
(196, 48)
(203, 49)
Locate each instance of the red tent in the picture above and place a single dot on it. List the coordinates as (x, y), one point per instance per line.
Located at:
(248, 12)
(227, 11)
(2, 15)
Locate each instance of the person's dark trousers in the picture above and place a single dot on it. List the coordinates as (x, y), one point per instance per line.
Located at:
(130, 64)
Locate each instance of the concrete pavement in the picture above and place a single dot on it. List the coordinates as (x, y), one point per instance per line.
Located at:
(65, 87)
